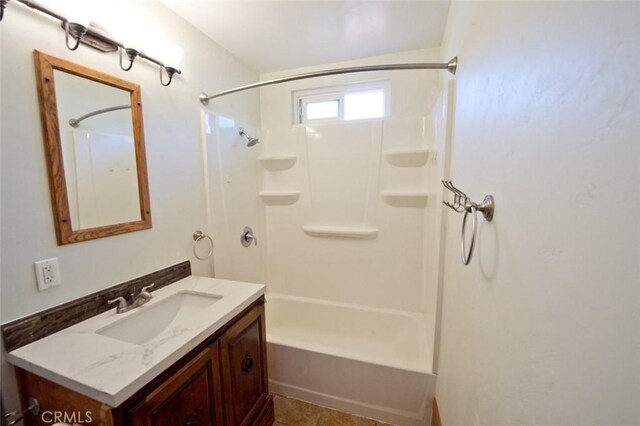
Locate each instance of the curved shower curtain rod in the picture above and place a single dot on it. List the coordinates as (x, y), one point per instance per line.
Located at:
(449, 66)
(75, 122)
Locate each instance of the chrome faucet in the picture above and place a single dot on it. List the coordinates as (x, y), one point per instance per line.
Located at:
(139, 300)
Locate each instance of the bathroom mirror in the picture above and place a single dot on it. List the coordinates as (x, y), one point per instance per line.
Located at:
(94, 142)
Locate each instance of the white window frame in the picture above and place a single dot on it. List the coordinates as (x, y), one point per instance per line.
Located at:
(303, 101)
(301, 98)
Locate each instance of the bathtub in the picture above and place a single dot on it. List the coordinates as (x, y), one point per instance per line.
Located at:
(370, 362)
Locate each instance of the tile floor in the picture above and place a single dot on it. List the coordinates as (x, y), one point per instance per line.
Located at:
(291, 412)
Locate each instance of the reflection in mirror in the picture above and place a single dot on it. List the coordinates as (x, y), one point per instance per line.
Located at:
(94, 141)
(96, 134)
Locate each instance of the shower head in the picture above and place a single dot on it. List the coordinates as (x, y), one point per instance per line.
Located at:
(252, 140)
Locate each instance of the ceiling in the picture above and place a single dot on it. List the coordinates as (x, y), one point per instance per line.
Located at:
(277, 35)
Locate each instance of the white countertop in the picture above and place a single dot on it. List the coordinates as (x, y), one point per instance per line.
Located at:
(110, 370)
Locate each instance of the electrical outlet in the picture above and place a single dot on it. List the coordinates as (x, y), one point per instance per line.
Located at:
(47, 273)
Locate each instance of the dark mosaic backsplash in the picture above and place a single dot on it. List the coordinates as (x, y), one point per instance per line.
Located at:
(42, 324)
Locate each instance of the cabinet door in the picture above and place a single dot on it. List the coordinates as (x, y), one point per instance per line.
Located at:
(191, 397)
(243, 351)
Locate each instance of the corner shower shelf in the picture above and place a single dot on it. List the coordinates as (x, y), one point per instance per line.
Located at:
(407, 157)
(275, 163)
(405, 199)
(340, 232)
(279, 198)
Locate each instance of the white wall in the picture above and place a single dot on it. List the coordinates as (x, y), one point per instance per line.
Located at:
(340, 172)
(542, 326)
(172, 130)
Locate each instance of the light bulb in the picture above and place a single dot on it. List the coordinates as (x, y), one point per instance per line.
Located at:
(172, 55)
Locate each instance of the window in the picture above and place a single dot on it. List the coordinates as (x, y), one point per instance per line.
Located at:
(361, 105)
(320, 110)
(349, 102)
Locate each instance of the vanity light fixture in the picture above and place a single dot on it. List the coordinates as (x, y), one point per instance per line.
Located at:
(132, 54)
(170, 72)
(76, 31)
(93, 35)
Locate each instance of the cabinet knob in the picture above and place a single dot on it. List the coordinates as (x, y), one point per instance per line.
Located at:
(247, 363)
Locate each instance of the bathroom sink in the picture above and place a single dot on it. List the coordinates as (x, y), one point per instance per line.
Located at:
(175, 313)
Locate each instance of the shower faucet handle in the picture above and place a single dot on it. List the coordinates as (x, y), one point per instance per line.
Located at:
(247, 237)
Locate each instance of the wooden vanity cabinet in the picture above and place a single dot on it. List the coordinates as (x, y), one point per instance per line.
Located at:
(191, 397)
(244, 368)
(221, 382)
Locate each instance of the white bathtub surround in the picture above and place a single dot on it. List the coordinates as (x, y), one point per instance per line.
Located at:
(367, 361)
(365, 188)
(276, 163)
(408, 157)
(377, 222)
(341, 231)
(279, 198)
(84, 359)
(352, 264)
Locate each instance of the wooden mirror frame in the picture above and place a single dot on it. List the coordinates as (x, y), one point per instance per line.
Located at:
(45, 65)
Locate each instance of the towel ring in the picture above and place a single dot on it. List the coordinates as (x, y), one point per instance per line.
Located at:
(462, 203)
(466, 258)
(197, 236)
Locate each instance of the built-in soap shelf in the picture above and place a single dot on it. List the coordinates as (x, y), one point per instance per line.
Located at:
(416, 199)
(279, 198)
(276, 163)
(407, 157)
(363, 233)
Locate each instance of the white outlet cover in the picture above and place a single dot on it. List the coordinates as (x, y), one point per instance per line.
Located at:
(52, 279)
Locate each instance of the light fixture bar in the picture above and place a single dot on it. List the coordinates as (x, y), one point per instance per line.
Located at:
(108, 40)
(44, 9)
(450, 66)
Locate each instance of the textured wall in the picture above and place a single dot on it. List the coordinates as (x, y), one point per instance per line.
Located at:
(542, 327)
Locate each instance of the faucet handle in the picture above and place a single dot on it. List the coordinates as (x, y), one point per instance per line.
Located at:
(122, 302)
(247, 237)
(144, 289)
